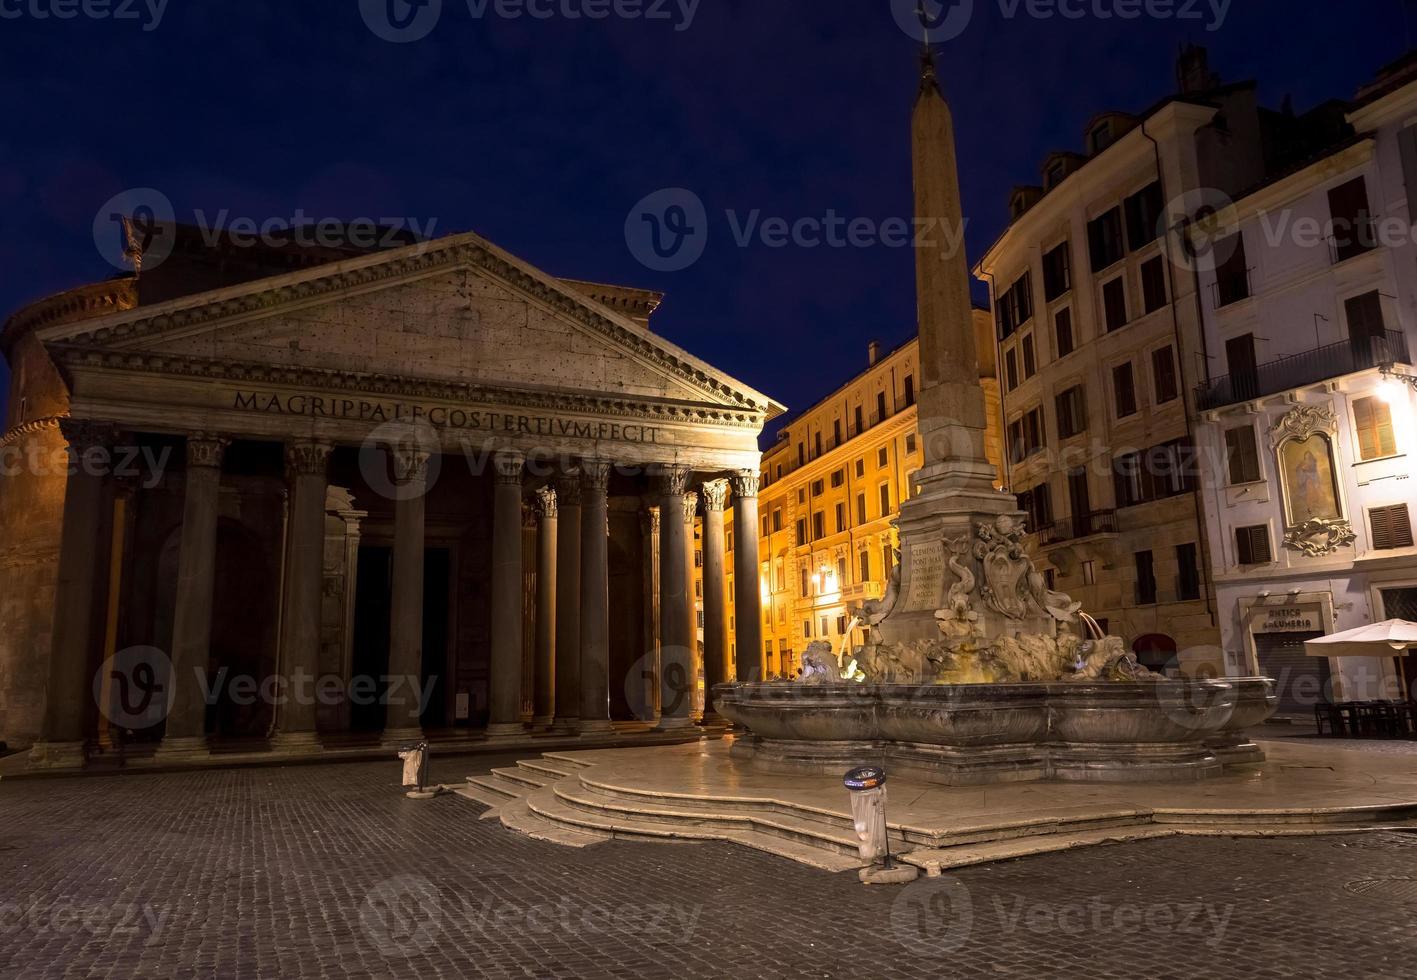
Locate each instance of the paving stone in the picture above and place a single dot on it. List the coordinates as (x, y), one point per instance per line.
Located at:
(328, 871)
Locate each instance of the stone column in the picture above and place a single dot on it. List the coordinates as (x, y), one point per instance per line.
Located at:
(409, 462)
(568, 602)
(307, 472)
(545, 679)
(649, 528)
(506, 693)
(61, 741)
(185, 735)
(691, 597)
(595, 597)
(715, 598)
(675, 596)
(747, 592)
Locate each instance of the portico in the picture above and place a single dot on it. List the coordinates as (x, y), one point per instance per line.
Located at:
(429, 488)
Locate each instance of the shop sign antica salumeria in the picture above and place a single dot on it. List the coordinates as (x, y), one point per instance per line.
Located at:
(1289, 619)
(376, 412)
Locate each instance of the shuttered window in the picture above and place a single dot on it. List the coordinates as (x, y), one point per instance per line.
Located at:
(1125, 390)
(1163, 372)
(1243, 455)
(1392, 527)
(1072, 412)
(1373, 419)
(1252, 545)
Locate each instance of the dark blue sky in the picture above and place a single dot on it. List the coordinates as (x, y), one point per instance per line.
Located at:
(543, 134)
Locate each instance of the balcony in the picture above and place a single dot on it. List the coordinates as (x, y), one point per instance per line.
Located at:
(1299, 370)
(1072, 528)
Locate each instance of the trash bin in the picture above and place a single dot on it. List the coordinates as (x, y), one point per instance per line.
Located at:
(868, 811)
(415, 769)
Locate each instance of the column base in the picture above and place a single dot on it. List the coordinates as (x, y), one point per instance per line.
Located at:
(297, 743)
(566, 726)
(541, 721)
(596, 726)
(506, 729)
(182, 748)
(395, 739)
(57, 755)
(674, 724)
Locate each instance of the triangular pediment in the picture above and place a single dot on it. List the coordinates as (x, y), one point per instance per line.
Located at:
(457, 310)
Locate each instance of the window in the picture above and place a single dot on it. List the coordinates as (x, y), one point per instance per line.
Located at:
(1026, 435)
(1011, 369)
(887, 561)
(910, 443)
(776, 519)
(817, 444)
(728, 538)
(1124, 390)
(801, 495)
(836, 432)
(861, 508)
(1055, 174)
(1050, 578)
(883, 457)
(1188, 579)
(819, 525)
(1104, 240)
(1057, 272)
(860, 426)
(1242, 455)
(1146, 579)
(1100, 137)
(1114, 303)
(805, 583)
(1373, 419)
(865, 566)
(860, 468)
(801, 530)
(1072, 412)
(767, 525)
(1015, 306)
(1145, 210)
(1153, 284)
(838, 478)
(818, 488)
(1163, 375)
(1367, 334)
(1252, 545)
(1030, 360)
(1392, 528)
(1155, 474)
(909, 390)
(1232, 276)
(801, 454)
(840, 517)
(1089, 572)
(806, 629)
(880, 406)
(1352, 220)
(840, 572)
(885, 493)
(1063, 331)
(841, 625)
(1037, 503)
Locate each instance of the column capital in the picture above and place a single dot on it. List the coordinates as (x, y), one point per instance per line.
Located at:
(409, 461)
(568, 488)
(204, 449)
(671, 479)
(85, 434)
(691, 506)
(715, 494)
(546, 503)
(307, 458)
(649, 520)
(595, 474)
(510, 466)
(745, 483)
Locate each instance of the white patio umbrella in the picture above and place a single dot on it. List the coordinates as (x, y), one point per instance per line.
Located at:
(1390, 638)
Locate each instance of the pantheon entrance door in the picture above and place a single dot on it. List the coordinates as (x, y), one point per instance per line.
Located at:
(1303, 681)
(371, 633)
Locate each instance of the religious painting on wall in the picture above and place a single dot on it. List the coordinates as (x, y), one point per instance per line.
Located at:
(1310, 485)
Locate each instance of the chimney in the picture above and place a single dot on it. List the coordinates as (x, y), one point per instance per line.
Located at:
(873, 353)
(1193, 74)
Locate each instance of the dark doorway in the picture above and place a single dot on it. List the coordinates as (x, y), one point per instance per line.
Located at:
(1244, 371)
(437, 572)
(243, 635)
(371, 639)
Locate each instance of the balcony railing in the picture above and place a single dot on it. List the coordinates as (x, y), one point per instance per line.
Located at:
(1072, 528)
(1310, 367)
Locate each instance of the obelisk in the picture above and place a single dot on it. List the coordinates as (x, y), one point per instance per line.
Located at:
(954, 491)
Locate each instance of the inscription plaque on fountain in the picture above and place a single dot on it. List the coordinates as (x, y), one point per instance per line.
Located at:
(926, 574)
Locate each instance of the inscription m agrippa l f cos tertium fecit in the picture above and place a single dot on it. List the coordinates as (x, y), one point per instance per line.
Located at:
(377, 412)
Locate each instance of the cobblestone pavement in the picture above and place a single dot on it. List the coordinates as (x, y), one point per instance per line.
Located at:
(329, 871)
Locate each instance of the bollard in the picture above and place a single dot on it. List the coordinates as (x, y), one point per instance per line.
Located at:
(868, 813)
(415, 771)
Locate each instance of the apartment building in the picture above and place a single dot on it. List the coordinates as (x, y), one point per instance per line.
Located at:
(1309, 308)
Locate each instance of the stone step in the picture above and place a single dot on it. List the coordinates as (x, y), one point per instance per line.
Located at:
(492, 783)
(526, 777)
(1332, 816)
(492, 800)
(565, 759)
(784, 825)
(517, 816)
(544, 768)
(546, 804)
(935, 860)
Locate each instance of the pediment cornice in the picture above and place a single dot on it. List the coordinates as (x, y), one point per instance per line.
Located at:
(130, 331)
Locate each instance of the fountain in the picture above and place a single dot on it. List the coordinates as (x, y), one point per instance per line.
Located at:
(974, 671)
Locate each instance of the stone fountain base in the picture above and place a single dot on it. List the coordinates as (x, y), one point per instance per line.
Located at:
(993, 733)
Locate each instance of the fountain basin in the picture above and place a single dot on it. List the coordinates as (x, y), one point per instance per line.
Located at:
(969, 734)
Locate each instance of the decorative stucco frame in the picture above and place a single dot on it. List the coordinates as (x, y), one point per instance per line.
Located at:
(1320, 536)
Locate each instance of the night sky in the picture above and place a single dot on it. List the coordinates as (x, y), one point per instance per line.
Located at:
(542, 135)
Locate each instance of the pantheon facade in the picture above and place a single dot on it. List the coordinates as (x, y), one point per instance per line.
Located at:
(283, 498)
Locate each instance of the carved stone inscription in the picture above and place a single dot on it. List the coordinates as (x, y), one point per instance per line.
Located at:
(925, 572)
